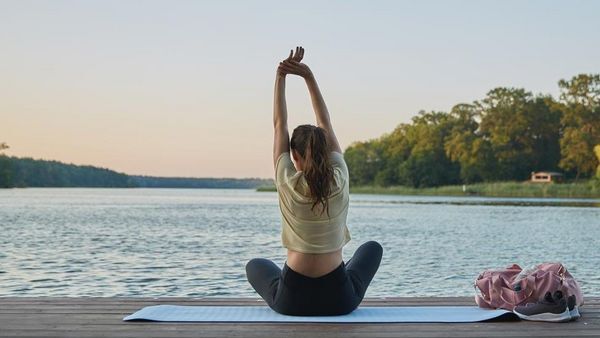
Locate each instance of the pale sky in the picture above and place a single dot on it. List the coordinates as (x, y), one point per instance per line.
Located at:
(185, 88)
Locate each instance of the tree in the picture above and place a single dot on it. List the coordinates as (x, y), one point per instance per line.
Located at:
(580, 99)
(597, 151)
(522, 131)
(428, 164)
(502, 124)
(364, 161)
(5, 168)
(465, 146)
(396, 148)
(544, 116)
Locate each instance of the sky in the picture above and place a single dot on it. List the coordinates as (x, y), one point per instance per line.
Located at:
(185, 88)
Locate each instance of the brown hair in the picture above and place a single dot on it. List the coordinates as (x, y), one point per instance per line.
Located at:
(311, 144)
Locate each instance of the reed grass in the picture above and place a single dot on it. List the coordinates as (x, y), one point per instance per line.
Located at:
(580, 189)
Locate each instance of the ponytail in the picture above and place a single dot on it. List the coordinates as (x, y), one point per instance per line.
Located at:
(311, 144)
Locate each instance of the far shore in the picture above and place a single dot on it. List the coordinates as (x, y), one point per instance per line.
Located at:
(581, 189)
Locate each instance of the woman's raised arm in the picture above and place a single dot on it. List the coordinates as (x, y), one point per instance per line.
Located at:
(294, 66)
(281, 142)
(321, 112)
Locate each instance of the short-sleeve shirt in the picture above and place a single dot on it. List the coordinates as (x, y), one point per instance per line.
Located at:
(304, 229)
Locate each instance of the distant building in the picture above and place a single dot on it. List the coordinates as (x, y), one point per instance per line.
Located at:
(546, 176)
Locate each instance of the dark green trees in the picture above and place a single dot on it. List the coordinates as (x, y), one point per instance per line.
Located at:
(27, 172)
(597, 151)
(466, 147)
(5, 168)
(580, 103)
(522, 131)
(504, 136)
(427, 163)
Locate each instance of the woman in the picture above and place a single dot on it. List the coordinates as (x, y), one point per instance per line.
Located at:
(313, 198)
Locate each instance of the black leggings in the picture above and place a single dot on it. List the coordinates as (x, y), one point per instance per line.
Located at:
(336, 293)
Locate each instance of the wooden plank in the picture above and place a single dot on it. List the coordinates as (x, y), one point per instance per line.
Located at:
(84, 319)
(237, 301)
(87, 300)
(402, 332)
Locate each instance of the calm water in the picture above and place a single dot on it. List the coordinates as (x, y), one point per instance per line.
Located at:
(176, 242)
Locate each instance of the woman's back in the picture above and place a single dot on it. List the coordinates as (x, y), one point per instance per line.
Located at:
(309, 229)
(313, 236)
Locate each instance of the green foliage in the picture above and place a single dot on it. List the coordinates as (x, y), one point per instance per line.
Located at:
(581, 189)
(597, 151)
(505, 136)
(522, 131)
(27, 172)
(191, 182)
(427, 164)
(364, 161)
(5, 168)
(580, 104)
(5, 172)
(465, 146)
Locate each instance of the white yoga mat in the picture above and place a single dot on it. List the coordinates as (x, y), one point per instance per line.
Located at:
(367, 314)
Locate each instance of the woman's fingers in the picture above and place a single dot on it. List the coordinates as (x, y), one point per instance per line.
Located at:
(290, 70)
(287, 68)
(291, 64)
(294, 63)
(299, 53)
(296, 55)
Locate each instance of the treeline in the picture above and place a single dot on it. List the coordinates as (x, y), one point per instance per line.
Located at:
(189, 182)
(27, 172)
(503, 137)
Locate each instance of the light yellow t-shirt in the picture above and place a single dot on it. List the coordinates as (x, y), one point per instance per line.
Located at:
(303, 229)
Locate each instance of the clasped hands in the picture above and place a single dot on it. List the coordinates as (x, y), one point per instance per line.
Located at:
(292, 65)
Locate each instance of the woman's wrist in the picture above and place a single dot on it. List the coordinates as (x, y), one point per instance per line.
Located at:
(280, 78)
(309, 77)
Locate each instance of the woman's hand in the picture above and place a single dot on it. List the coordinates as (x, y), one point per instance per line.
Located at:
(296, 68)
(292, 64)
(296, 56)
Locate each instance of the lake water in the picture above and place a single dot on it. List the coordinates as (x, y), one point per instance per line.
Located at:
(196, 242)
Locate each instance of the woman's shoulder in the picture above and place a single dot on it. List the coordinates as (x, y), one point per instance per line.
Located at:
(337, 162)
(336, 158)
(340, 171)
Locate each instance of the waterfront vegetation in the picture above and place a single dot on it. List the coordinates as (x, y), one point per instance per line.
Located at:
(27, 172)
(581, 189)
(503, 137)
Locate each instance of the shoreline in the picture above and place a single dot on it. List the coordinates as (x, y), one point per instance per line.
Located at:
(583, 189)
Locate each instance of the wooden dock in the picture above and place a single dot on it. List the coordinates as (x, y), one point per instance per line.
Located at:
(102, 317)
